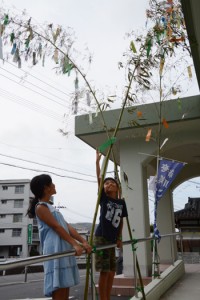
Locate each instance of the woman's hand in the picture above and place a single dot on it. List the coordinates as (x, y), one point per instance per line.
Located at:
(87, 247)
(79, 249)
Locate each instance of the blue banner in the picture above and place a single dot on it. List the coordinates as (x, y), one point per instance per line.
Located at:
(167, 172)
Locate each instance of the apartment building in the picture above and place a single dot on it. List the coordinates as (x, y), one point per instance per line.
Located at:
(18, 234)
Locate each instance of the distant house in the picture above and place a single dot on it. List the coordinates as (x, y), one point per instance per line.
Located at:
(187, 220)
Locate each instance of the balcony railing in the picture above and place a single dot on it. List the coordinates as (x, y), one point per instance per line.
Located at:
(38, 259)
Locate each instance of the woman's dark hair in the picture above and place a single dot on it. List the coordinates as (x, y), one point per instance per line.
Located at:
(37, 185)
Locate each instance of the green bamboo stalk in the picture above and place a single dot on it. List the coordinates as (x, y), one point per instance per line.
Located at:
(102, 179)
(157, 165)
(131, 238)
(137, 264)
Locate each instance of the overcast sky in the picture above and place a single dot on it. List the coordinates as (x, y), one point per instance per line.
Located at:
(29, 122)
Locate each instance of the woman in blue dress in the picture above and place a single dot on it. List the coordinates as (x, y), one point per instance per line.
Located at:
(55, 236)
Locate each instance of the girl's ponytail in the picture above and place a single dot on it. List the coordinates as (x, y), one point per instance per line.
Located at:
(31, 209)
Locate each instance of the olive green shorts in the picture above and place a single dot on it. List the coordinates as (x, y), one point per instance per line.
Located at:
(105, 260)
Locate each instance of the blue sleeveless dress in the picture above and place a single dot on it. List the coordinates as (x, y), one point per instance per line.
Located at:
(62, 272)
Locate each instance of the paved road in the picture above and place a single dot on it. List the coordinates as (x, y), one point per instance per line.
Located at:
(14, 287)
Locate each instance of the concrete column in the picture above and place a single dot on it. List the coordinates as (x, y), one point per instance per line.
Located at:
(167, 247)
(136, 196)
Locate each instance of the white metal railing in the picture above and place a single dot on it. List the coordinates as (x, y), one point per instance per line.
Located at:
(37, 259)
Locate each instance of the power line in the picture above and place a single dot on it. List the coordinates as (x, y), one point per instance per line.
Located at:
(73, 212)
(34, 152)
(44, 165)
(63, 161)
(30, 105)
(34, 85)
(43, 171)
(29, 74)
(33, 90)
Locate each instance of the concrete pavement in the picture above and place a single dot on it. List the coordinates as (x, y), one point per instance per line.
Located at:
(188, 287)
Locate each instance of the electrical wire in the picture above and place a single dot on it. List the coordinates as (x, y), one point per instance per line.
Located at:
(36, 153)
(33, 91)
(44, 165)
(34, 85)
(49, 172)
(37, 78)
(28, 104)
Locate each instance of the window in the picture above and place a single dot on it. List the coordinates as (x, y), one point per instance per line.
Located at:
(18, 203)
(2, 230)
(19, 189)
(17, 218)
(16, 232)
(2, 216)
(4, 187)
(3, 201)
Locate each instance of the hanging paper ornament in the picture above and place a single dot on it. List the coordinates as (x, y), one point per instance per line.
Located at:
(108, 143)
(88, 99)
(27, 54)
(16, 55)
(43, 59)
(174, 91)
(1, 48)
(165, 124)
(189, 71)
(6, 20)
(12, 37)
(138, 70)
(66, 66)
(148, 136)
(75, 105)
(14, 47)
(164, 142)
(162, 62)
(1, 29)
(169, 6)
(164, 21)
(125, 178)
(169, 32)
(27, 41)
(133, 47)
(179, 104)
(56, 34)
(149, 45)
(40, 50)
(34, 58)
(55, 56)
(76, 83)
(139, 114)
(19, 63)
(177, 40)
(90, 118)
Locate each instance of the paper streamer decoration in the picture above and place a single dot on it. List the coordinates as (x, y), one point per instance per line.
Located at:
(162, 62)
(189, 71)
(133, 47)
(55, 56)
(108, 143)
(90, 118)
(139, 114)
(1, 48)
(165, 124)
(148, 136)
